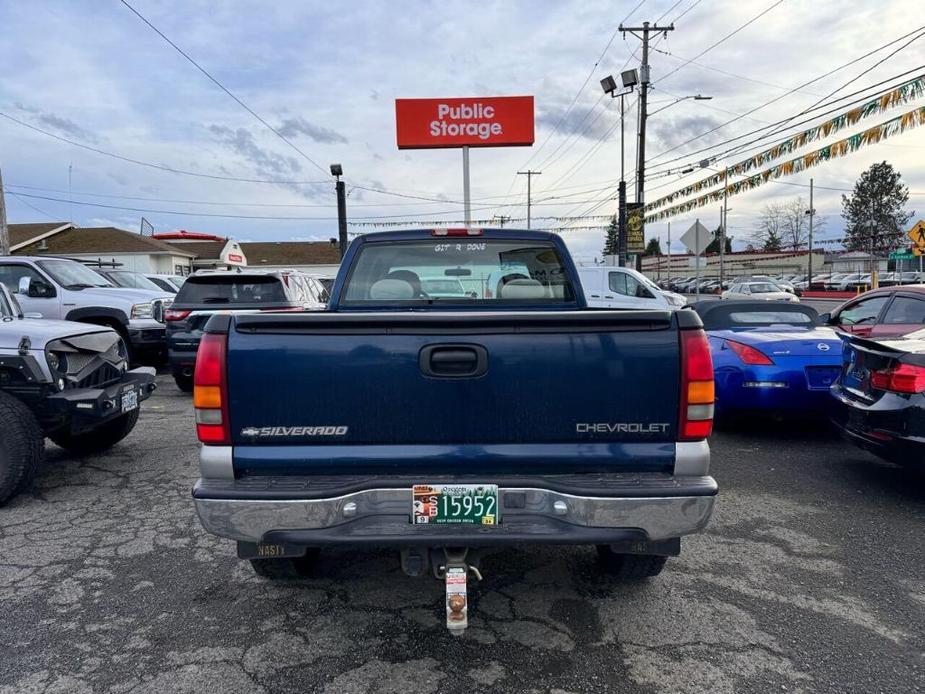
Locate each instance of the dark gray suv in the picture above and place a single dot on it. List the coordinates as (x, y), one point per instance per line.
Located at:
(240, 291)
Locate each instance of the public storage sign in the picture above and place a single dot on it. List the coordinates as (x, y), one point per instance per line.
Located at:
(493, 121)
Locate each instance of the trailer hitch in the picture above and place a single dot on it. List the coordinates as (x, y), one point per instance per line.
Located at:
(457, 563)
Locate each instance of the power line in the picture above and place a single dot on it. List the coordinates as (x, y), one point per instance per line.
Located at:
(187, 213)
(151, 165)
(575, 98)
(29, 204)
(594, 148)
(852, 80)
(691, 61)
(782, 96)
(583, 85)
(720, 41)
(739, 148)
(226, 90)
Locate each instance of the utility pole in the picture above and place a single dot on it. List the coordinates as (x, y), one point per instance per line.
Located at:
(502, 220)
(809, 262)
(4, 232)
(669, 251)
(529, 174)
(644, 80)
(722, 233)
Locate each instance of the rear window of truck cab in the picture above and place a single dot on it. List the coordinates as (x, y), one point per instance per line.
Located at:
(465, 271)
(231, 289)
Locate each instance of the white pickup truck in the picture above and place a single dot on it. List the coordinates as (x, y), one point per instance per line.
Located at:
(64, 289)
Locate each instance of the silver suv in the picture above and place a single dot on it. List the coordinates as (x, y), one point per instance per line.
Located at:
(64, 289)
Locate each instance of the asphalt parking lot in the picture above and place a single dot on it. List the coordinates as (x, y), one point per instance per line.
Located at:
(810, 578)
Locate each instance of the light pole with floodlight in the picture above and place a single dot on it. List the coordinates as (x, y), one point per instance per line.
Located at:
(629, 78)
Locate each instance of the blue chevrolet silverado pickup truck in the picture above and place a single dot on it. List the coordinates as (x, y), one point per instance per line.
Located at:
(502, 411)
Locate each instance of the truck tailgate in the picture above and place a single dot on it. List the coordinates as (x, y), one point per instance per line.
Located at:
(561, 391)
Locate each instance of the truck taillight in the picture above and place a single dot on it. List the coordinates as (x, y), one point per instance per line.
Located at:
(905, 378)
(210, 390)
(697, 390)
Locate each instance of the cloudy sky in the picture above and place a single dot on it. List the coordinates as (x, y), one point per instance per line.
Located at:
(325, 75)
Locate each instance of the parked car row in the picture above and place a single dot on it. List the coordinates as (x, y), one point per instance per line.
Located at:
(786, 359)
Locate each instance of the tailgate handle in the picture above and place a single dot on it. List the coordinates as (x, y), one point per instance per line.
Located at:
(453, 361)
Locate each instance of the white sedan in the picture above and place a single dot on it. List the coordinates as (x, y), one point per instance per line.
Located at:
(758, 291)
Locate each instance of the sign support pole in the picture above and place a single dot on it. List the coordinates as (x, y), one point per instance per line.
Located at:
(4, 233)
(697, 263)
(467, 202)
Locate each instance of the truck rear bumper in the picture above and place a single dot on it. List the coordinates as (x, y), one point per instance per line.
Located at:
(655, 507)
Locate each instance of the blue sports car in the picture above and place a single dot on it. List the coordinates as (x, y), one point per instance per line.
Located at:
(770, 357)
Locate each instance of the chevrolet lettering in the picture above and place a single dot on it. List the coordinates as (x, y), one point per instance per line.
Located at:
(621, 427)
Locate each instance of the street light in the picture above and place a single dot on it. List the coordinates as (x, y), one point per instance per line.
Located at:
(695, 97)
(629, 78)
(337, 171)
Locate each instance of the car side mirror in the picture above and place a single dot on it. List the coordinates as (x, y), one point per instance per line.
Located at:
(825, 318)
(37, 289)
(24, 283)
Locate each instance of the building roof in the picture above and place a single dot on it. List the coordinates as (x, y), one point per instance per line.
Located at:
(290, 253)
(203, 250)
(23, 233)
(183, 234)
(99, 240)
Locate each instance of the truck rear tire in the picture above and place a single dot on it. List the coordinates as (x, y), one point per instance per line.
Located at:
(100, 439)
(286, 569)
(22, 447)
(630, 567)
(184, 383)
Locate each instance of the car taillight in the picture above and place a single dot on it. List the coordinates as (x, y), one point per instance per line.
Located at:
(173, 314)
(210, 390)
(697, 389)
(905, 378)
(750, 355)
(461, 231)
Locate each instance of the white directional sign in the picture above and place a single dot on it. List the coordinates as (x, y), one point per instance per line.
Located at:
(696, 238)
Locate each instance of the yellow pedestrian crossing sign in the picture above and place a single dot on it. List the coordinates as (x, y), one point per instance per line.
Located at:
(917, 234)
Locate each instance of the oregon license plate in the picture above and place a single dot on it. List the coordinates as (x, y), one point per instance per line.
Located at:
(466, 504)
(129, 400)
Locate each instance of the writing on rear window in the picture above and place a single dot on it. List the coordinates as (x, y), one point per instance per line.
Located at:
(467, 272)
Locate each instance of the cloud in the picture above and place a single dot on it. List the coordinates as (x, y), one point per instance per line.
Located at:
(290, 127)
(242, 141)
(589, 121)
(58, 123)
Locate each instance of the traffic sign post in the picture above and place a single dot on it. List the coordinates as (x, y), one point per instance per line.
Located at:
(695, 238)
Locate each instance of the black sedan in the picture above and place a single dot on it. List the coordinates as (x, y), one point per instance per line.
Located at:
(880, 396)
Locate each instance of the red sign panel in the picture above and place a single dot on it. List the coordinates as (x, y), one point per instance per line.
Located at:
(492, 121)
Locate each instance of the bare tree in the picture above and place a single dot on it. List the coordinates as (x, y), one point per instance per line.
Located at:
(769, 230)
(795, 226)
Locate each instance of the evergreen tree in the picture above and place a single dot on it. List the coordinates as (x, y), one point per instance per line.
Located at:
(874, 216)
(612, 238)
(654, 247)
(713, 246)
